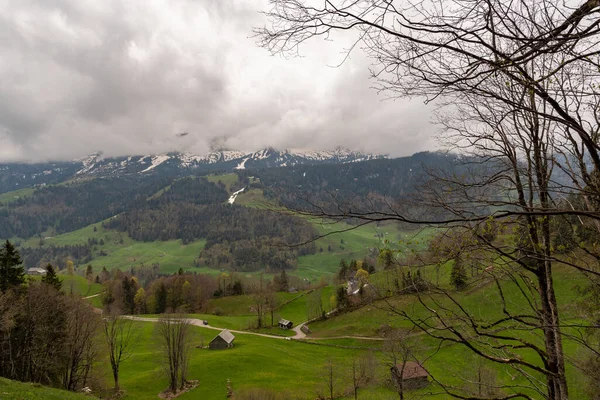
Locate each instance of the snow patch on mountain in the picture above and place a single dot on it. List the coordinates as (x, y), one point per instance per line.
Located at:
(98, 165)
(234, 196)
(242, 165)
(156, 161)
(88, 163)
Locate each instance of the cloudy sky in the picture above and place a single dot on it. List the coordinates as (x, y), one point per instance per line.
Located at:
(125, 77)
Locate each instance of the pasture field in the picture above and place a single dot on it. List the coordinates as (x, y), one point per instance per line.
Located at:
(13, 390)
(226, 179)
(295, 369)
(75, 284)
(9, 197)
(291, 368)
(291, 306)
(120, 251)
(344, 241)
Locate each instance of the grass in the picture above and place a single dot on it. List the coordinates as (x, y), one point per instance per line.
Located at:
(9, 197)
(293, 369)
(76, 284)
(292, 306)
(13, 390)
(254, 362)
(481, 299)
(227, 179)
(170, 255)
(356, 243)
(120, 251)
(252, 198)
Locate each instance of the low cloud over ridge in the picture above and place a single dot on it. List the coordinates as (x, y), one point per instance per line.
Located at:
(126, 77)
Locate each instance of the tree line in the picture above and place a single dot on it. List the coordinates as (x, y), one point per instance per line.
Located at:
(64, 208)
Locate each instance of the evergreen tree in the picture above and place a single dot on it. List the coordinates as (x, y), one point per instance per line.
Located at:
(51, 278)
(341, 297)
(12, 272)
(282, 282)
(129, 289)
(89, 272)
(458, 276)
(161, 299)
(343, 272)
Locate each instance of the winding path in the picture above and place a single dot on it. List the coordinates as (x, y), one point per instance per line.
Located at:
(200, 323)
(297, 329)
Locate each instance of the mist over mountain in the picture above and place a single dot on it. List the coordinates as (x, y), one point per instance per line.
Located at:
(18, 175)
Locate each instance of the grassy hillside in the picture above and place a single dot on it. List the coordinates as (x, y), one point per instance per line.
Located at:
(118, 250)
(356, 243)
(226, 179)
(76, 284)
(289, 367)
(8, 197)
(291, 306)
(13, 390)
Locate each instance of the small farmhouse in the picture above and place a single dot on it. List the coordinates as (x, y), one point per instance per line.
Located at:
(36, 271)
(223, 340)
(414, 376)
(285, 324)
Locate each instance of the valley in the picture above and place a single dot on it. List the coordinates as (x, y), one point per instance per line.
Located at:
(243, 250)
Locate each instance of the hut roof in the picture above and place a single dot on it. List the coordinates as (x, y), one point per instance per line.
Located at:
(412, 370)
(36, 270)
(284, 321)
(226, 336)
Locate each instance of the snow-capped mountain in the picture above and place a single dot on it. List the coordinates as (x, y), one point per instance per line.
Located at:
(226, 160)
(15, 176)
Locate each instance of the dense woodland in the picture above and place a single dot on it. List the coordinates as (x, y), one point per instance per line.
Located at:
(327, 185)
(64, 208)
(238, 238)
(56, 255)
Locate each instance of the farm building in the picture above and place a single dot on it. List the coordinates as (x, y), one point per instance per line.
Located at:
(285, 324)
(223, 340)
(414, 376)
(36, 271)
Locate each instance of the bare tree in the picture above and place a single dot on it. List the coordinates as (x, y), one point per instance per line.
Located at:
(120, 335)
(260, 298)
(399, 349)
(174, 338)
(430, 49)
(314, 305)
(81, 342)
(515, 84)
(363, 372)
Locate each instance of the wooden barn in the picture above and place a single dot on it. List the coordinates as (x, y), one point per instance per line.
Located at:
(285, 324)
(36, 271)
(414, 376)
(223, 340)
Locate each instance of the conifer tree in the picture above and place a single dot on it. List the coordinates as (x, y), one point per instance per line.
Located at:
(12, 272)
(51, 278)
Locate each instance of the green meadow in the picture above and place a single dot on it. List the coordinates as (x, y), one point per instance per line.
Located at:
(75, 284)
(291, 368)
(342, 241)
(13, 390)
(226, 179)
(9, 197)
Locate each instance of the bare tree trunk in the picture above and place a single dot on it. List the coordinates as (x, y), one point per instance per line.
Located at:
(173, 334)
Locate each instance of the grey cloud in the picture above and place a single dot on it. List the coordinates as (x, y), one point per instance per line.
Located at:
(124, 77)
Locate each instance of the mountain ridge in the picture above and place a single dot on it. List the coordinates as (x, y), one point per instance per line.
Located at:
(19, 175)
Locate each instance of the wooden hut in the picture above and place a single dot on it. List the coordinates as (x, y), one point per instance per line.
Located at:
(412, 374)
(285, 324)
(223, 340)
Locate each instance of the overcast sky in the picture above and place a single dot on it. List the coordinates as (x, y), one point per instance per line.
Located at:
(125, 77)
